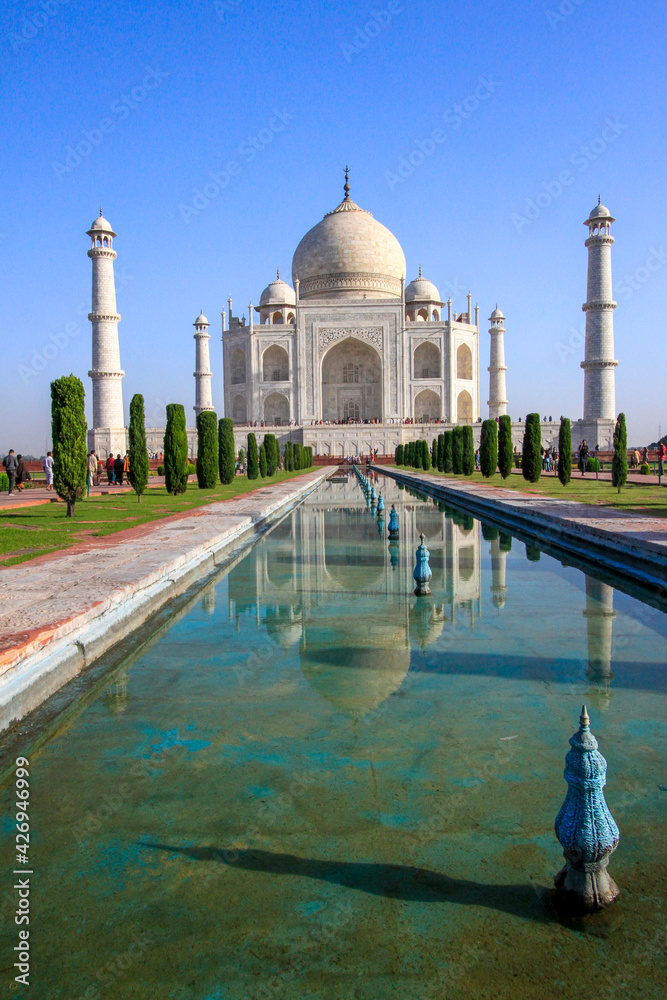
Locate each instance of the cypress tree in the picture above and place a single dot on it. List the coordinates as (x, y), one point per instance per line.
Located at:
(398, 457)
(505, 450)
(298, 448)
(68, 433)
(565, 451)
(175, 450)
(407, 457)
(207, 450)
(138, 474)
(434, 453)
(488, 449)
(441, 453)
(619, 463)
(226, 450)
(531, 460)
(272, 450)
(457, 451)
(253, 457)
(262, 460)
(468, 450)
(447, 457)
(426, 456)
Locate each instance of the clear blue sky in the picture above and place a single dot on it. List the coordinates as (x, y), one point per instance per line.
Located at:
(520, 93)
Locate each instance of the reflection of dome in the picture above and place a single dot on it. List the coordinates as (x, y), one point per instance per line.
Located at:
(426, 622)
(422, 290)
(354, 681)
(278, 293)
(284, 626)
(349, 254)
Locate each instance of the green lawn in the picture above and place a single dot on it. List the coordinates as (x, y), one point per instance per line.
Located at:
(32, 531)
(645, 499)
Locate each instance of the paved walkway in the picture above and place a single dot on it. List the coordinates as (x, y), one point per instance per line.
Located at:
(60, 611)
(635, 544)
(40, 494)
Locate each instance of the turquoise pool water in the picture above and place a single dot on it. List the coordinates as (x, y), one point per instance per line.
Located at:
(314, 784)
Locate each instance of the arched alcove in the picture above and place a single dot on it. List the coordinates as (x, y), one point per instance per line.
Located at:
(464, 408)
(464, 362)
(238, 374)
(239, 410)
(276, 409)
(427, 406)
(427, 361)
(351, 377)
(275, 364)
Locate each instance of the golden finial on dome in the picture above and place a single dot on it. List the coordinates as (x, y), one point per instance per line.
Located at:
(346, 189)
(420, 270)
(277, 274)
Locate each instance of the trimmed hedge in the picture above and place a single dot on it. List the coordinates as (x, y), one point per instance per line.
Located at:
(531, 459)
(207, 450)
(441, 453)
(253, 457)
(262, 460)
(176, 450)
(505, 450)
(398, 454)
(619, 465)
(226, 451)
(447, 454)
(68, 433)
(468, 450)
(488, 449)
(457, 451)
(138, 471)
(565, 451)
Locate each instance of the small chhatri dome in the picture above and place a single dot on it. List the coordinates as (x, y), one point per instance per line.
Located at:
(349, 254)
(600, 212)
(278, 293)
(101, 225)
(496, 314)
(201, 320)
(422, 290)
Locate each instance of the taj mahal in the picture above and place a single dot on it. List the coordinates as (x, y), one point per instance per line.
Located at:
(352, 358)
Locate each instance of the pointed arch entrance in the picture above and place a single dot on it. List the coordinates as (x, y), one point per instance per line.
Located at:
(351, 382)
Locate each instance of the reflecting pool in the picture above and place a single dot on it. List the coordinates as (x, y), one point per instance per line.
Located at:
(314, 784)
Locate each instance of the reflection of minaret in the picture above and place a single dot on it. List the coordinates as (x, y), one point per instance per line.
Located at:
(498, 570)
(208, 599)
(599, 615)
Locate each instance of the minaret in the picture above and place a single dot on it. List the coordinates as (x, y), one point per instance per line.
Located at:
(108, 431)
(599, 363)
(497, 367)
(202, 374)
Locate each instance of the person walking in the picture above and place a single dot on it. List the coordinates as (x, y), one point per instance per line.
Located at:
(20, 473)
(92, 471)
(118, 470)
(126, 465)
(662, 455)
(47, 465)
(583, 456)
(10, 464)
(109, 467)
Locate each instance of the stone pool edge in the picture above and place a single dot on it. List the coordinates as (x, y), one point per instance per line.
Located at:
(640, 560)
(39, 670)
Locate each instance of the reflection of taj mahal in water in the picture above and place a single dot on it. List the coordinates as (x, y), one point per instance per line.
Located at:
(348, 606)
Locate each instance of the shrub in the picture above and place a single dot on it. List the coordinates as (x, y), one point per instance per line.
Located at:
(207, 450)
(441, 453)
(645, 469)
(592, 464)
(298, 456)
(253, 457)
(226, 450)
(175, 450)
(488, 448)
(262, 460)
(468, 450)
(505, 450)
(565, 451)
(398, 454)
(426, 457)
(447, 454)
(489, 533)
(531, 459)
(138, 472)
(4, 482)
(434, 453)
(532, 553)
(68, 432)
(289, 458)
(505, 542)
(457, 451)
(272, 452)
(619, 464)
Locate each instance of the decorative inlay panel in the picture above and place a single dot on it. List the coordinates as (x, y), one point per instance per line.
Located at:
(370, 334)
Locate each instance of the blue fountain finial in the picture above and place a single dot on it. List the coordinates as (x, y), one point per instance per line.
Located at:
(380, 503)
(422, 572)
(393, 523)
(584, 826)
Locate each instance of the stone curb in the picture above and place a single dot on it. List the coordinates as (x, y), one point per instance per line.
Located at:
(30, 672)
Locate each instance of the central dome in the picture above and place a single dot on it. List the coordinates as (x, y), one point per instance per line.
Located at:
(348, 255)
